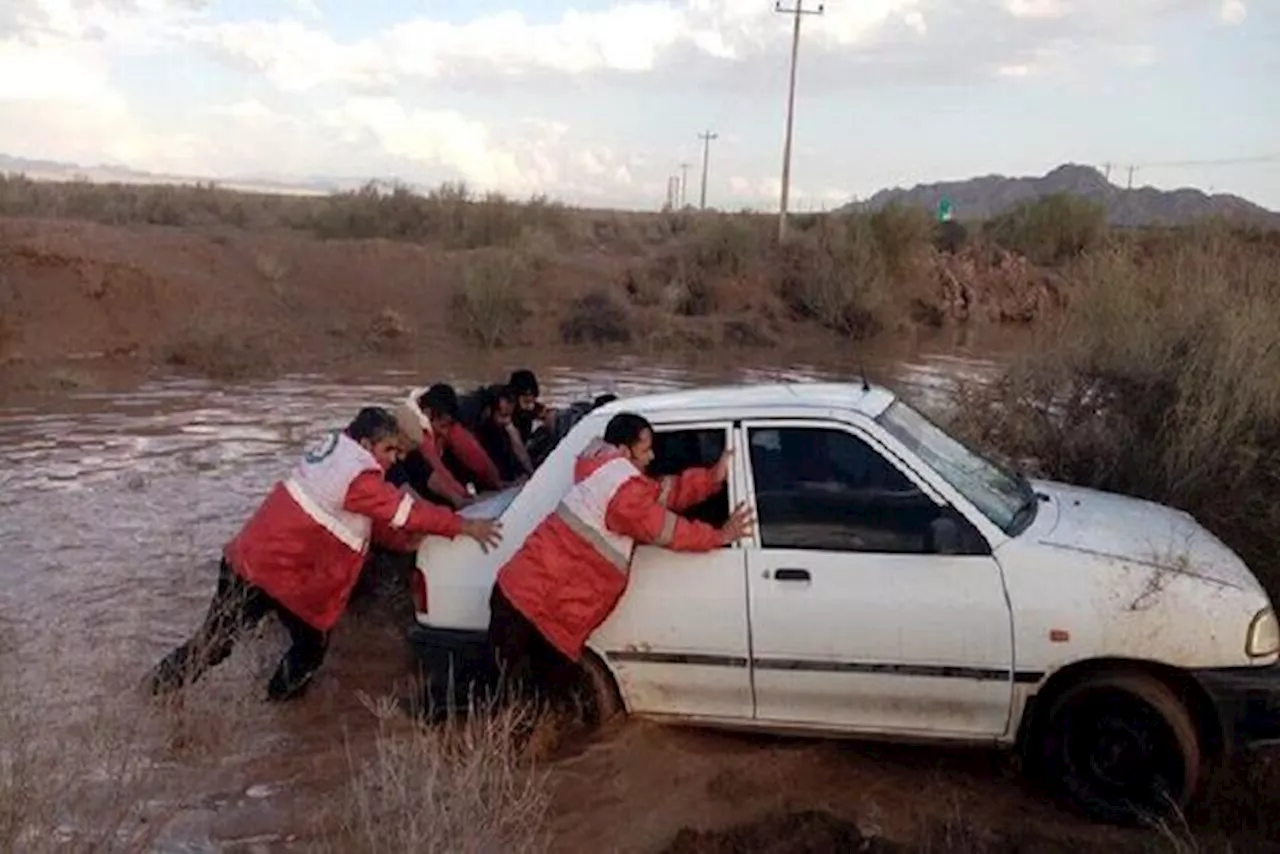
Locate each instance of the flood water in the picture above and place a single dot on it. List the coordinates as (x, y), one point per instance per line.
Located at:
(113, 510)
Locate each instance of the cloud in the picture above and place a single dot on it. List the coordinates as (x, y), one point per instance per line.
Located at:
(719, 40)
(1233, 12)
(309, 99)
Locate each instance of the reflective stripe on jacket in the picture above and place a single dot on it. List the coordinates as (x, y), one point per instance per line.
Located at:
(306, 543)
(569, 574)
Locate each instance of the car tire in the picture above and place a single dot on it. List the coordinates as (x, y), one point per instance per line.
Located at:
(596, 692)
(1121, 747)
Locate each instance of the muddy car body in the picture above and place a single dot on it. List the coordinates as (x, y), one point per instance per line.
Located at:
(900, 586)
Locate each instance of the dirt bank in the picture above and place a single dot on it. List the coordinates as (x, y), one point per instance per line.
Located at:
(81, 302)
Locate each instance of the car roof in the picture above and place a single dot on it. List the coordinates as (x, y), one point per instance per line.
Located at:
(868, 400)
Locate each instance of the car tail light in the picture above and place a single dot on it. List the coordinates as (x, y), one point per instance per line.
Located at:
(418, 590)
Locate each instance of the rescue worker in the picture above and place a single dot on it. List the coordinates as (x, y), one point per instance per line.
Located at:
(301, 552)
(568, 575)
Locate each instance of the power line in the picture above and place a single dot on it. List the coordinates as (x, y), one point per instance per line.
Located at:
(798, 11)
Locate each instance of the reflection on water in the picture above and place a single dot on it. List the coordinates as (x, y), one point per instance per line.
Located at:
(113, 508)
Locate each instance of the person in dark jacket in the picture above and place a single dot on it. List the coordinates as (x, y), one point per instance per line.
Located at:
(489, 413)
(530, 414)
(544, 441)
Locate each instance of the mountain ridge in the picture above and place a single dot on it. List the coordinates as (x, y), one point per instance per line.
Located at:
(985, 196)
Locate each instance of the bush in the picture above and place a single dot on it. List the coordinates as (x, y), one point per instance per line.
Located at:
(596, 318)
(1050, 230)
(461, 787)
(490, 306)
(835, 275)
(900, 232)
(1163, 383)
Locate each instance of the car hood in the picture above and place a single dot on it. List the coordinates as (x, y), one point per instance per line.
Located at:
(1137, 531)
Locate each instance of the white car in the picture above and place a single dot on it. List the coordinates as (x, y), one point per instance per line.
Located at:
(901, 586)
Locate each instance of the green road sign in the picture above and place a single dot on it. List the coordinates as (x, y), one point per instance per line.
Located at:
(944, 210)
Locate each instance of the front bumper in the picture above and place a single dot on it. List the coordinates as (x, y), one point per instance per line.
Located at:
(1247, 700)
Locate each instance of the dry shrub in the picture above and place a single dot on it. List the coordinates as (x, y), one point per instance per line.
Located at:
(389, 331)
(85, 777)
(835, 275)
(219, 355)
(1051, 229)
(464, 786)
(1164, 383)
(450, 215)
(901, 233)
(596, 318)
(490, 306)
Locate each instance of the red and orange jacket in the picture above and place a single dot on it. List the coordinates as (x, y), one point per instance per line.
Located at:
(306, 543)
(569, 574)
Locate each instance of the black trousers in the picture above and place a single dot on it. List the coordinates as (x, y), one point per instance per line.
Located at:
(237, 606)
(527, 666)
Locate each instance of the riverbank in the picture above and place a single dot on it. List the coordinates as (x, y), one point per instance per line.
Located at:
(103, 281)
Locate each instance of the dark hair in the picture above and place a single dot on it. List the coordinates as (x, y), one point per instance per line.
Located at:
(523, 382)
(440, 399)
(488, 397)
(625, 429)
(373, 423)
(602, 400)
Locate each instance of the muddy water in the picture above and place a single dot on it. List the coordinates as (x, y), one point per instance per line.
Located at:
(113, 509)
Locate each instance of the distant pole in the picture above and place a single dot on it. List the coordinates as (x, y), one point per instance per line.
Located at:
(1131, 168)
(797, 12)
(706, 154)
(684, 182)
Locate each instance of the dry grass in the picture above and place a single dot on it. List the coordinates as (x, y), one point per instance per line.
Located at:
(490, 305)
(93, 775)
(1163, 381)
(463, 786)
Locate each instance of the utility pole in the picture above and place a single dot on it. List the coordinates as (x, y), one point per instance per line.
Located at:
(706, 153)
(1131, 168)
(798, 11)
(684, 183)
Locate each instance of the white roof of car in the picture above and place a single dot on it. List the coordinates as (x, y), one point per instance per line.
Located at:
(870, 401)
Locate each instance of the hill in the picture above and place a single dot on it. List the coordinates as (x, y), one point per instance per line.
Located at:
(990, 195)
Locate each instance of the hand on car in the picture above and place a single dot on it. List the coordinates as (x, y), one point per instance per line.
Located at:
(486, 532)
(720, 471)
(741, 524)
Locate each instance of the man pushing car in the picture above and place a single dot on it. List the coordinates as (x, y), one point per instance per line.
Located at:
(301, 552)
(568, 575)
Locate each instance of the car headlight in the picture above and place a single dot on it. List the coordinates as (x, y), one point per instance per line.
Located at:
(1264, 634)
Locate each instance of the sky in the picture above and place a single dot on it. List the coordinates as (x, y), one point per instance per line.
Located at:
(598, 102)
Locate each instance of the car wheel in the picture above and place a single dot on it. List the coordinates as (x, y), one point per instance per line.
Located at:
(596, 693)
(1122, 747)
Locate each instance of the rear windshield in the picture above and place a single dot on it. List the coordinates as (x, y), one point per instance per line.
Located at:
(491, 506)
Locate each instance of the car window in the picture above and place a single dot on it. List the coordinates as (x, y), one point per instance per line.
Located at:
(677, 450)
(820, 488)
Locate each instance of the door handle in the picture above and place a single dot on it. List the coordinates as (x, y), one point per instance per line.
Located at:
(792, 575)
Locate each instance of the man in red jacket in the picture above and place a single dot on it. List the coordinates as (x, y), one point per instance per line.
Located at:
(569, 574)
(301, 553)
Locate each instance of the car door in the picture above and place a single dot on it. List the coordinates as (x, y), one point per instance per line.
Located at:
(858, 622)
(678, 639)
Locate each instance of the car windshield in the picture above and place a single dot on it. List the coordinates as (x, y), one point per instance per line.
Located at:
(1003, 496)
